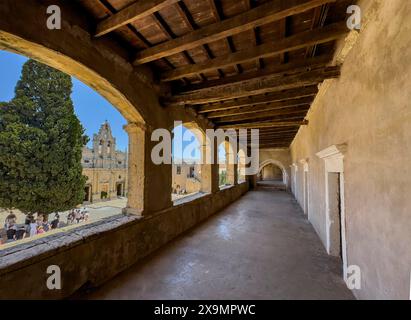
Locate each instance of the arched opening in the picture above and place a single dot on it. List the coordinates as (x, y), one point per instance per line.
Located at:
(187, 162)
(272, 173)
(226, 160)
(241, 162)
(104, 158)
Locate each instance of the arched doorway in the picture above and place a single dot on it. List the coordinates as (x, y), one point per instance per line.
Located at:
(272, 173)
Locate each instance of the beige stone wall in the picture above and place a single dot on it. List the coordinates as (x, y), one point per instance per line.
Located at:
(105, 179)
(91, 255)
(272, 172)
(183, 181)
(369, 109)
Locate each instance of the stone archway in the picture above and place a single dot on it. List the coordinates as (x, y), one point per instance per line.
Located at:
(94, 65)
(278, 164)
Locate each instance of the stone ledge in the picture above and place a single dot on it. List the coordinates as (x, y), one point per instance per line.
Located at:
(93, 254)
(26, 253)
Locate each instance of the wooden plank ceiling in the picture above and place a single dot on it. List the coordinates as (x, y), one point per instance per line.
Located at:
(239, 63)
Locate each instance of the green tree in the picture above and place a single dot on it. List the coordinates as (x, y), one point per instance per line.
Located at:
(41, 143)
(222, 178)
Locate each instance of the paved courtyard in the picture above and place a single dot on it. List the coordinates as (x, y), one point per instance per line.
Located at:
(97, 211)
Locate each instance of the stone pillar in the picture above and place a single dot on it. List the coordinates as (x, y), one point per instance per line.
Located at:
(136, 166)
(229, 163)
(209, 168)
(252, 181)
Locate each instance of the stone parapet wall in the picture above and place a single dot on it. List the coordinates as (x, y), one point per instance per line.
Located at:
(91, 255)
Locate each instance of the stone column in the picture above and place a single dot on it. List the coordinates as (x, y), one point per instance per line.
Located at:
(136, 166)
(229, 163)
(209, 167)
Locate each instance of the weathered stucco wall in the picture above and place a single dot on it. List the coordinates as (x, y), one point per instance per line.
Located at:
(93, 254)
(369, 109)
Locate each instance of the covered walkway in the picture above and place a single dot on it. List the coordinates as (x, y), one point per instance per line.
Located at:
(260, 247)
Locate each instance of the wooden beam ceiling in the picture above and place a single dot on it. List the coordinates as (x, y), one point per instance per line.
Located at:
(295, 42)
(257, 100)
(270, 71)
(266, 13)
(267, 124)
(260, 108)
(137, 10)
(301, 111)
(255, 87)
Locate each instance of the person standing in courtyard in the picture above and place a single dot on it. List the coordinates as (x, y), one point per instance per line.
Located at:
(33, 227)
(56, 221)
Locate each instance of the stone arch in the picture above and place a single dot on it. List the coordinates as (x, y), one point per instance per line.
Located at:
(241, 155)
(202, 169)
(77, 56)
(278, 164)
(229, 163)
(101, 79)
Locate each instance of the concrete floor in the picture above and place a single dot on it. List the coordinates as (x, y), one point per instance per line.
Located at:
(260, 247)
(276, 184)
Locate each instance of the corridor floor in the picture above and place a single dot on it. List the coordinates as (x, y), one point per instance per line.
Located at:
(260, 247)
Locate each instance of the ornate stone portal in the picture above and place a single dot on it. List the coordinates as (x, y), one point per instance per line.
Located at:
(105, 167)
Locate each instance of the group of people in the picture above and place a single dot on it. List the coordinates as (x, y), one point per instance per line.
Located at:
(31, 227)
(77, 216)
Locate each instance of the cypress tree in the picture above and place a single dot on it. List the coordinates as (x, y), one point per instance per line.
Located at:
(41, 142)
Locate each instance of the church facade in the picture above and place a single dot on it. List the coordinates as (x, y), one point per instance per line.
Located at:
(105, 167)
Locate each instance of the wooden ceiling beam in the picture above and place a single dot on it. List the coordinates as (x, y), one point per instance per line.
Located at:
(279, 105)
(137, 10)
(262, 115)
(295, 42)
(257, 100)
(280, 118)
(270, 71)
(263, 14)
(256, 87)
(217, 17)
(268, 124)
(276, 131)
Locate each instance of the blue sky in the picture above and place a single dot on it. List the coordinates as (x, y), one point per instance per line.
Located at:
(90, 107)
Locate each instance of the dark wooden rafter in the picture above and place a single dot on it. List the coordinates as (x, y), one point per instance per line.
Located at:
(319, 17)
(266, 13)
(255, 35)
(259, 86)
(190, 24)
(274, 70)
(287, 117)
(284, 33)
(137, 10)
(300, 110)
(110, 10)
(217, 16)
(259, 100)
(165, 29)
(261, 108)
(295, 42)
(262, 124)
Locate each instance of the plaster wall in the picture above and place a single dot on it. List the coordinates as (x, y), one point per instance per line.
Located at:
(368, 108)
